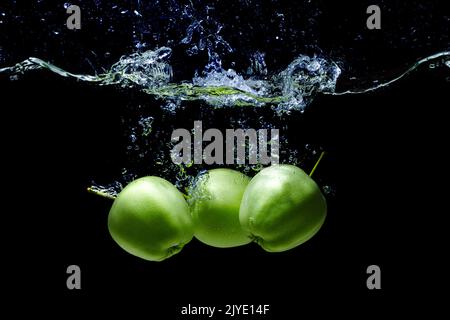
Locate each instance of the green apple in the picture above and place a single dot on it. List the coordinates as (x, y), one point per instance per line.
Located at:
(214, 200)
(150, 219)
(282, 208)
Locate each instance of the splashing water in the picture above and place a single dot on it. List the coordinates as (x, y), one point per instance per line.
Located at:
(111, 191)
(305, 77)
(150, 71)
(443, 57)
(292, 89)
(202, 31)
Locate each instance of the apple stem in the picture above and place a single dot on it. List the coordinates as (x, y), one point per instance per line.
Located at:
(317, 164)
(101, 193)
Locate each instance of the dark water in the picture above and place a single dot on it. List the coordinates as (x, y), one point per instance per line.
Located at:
(384, 173)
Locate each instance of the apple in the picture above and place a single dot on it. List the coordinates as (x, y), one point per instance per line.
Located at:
(214, 199)
(150, 219)
(282, 208)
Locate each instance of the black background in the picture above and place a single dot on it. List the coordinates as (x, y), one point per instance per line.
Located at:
(386, 155)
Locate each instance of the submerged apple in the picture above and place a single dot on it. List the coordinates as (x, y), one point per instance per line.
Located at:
(282, 208)
(150, 219)
(214, 200)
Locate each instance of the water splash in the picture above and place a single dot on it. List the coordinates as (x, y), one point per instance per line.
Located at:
(32, 64)
(305, 77)
(204, 32)
(440, 56)
(292, 89)
(197, 190)
(150, 71)
(110, 191)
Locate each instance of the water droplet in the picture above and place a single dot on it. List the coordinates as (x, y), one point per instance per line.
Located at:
(171, 107)
(140, 45)
(327, 190)
(146, 124)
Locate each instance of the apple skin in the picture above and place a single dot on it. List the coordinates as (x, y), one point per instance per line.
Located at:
(215, 199)
(150, 219)
(282, 208)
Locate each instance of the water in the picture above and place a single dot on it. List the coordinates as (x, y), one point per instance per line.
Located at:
(236, 54)
(291, 89)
